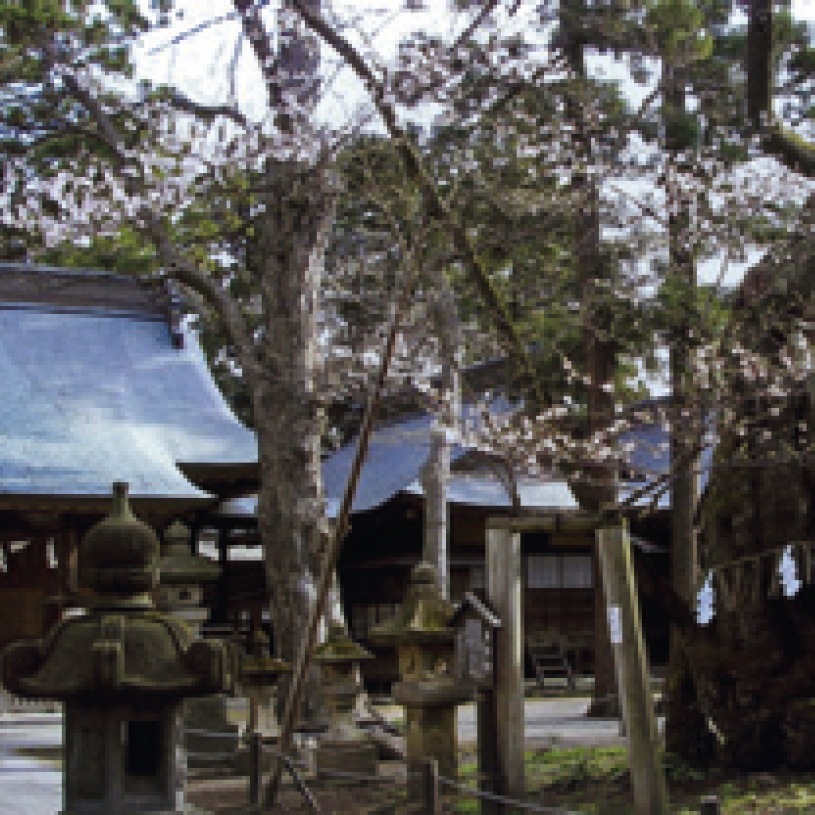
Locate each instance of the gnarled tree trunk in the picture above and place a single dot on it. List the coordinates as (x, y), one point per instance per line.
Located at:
(292, 231)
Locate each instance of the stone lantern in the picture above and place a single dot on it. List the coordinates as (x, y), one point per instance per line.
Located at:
(209, 735)
(258, 677)
(182, 576)
(344, 746)
(428, 688)
(122, 672)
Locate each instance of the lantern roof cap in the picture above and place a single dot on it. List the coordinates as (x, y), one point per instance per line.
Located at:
(178, 565)
(424, 614)
(258, 665)
(339, 647)
(118, 557)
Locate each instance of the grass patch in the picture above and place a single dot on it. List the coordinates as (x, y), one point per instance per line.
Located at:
(596, 781)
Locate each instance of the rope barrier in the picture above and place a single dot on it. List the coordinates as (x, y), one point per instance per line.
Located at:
(213, 734)
(211, 756)
(292, 765)
(448, 782)
(372, 779)
(309, 798)
(378, 779)
(501, 799)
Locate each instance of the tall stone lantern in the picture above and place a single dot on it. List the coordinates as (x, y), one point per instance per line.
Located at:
(209, 735)
(122, 671)
(259, 674)
(344, 746)
(182, 576)
(428, 688)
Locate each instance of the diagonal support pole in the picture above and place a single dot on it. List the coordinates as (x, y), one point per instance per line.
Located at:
(332, 549)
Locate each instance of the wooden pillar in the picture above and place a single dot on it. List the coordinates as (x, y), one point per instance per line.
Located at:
(62, 546)
(605, 701)
(710, 805)
(504, 597)
(487, 748)
(195, 529)
(431, 799)
(255, 765)
(435, 476)
(221, 615)
(644, 751)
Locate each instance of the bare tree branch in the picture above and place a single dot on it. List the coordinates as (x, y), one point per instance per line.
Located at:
(255, 31)
(197, 29)
(207, 112)
(790, 149)
(479, 18)
(177, 266)
(438, 207)
(644, 208)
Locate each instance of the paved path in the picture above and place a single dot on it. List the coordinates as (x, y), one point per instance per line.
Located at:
(32, 786)
(28, 785)
(548, 721)
(557, 720)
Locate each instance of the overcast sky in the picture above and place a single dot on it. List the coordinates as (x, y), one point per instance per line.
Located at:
(199, 63)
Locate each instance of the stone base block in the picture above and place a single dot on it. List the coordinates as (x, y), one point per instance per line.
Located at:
(211, 740)
(430, 732)
(797, 732)
(212, 753)
(607, 708)
(359, 758)
(242, 759)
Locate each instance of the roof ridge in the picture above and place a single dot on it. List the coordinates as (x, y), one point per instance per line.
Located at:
(73, 271)
(76, 289)
(84, 311)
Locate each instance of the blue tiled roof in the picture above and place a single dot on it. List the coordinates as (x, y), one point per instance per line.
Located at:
(487, 491)
(648, 453)
(396, 454)
(93, 396)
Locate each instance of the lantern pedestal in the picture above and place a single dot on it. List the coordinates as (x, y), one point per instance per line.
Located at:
(210, 738)
(344, 748)
(428, 689)
(259, 675)
(119, 760)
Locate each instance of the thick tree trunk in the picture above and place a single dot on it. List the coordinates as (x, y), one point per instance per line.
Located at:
(292, 229)
(752, 668)
(759, 62)
(436, 472)
(435, 477)
(685, 727)
(600, 357)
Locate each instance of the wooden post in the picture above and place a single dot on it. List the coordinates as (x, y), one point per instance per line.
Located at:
(644, 752)
(487, 748)
(431, 801)
(710, 805)
(255, 762)
(221, 614)
(72, 560)
(605, 696)
(504, 596)
(435, 475)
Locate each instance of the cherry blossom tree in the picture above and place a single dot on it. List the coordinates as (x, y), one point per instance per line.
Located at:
(631, 199)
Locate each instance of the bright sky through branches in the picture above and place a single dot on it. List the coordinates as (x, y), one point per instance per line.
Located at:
(197, 53)
(209, 36)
